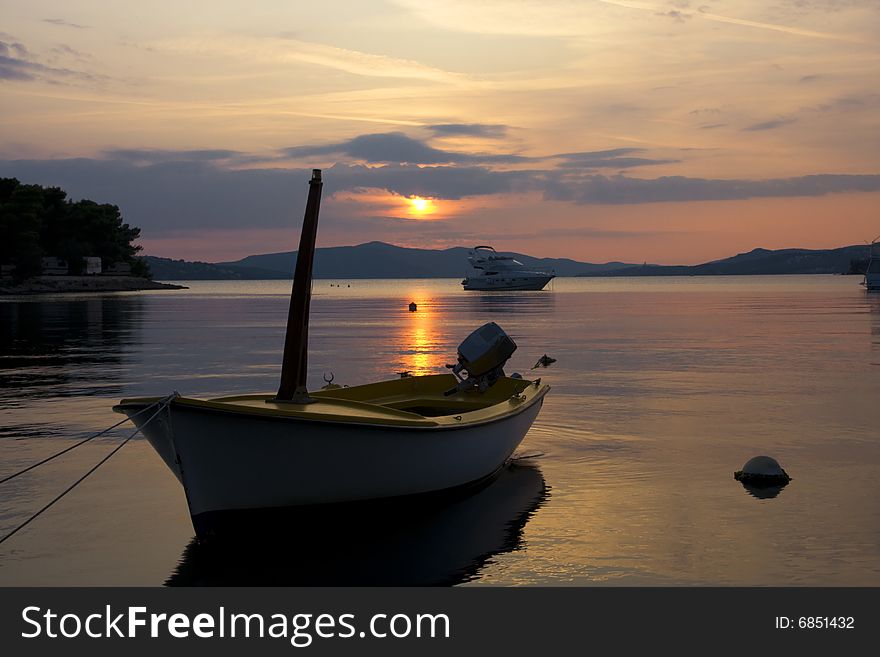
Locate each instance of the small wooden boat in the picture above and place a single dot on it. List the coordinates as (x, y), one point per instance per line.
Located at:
(404, 436)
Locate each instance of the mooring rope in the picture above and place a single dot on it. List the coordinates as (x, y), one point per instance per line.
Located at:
(163, 404)
(81, 442)
(525, 457)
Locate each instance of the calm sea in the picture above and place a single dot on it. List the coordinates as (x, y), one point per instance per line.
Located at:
(662, 388)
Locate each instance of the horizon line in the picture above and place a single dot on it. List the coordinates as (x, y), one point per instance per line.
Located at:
(449, 248)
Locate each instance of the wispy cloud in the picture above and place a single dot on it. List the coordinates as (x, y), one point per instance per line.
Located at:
(290, 50)
(704, 13)
(769, 125)
(60, 22)
(156, 156)
(583, 232)
(675, 14)
(616, 158)
(785, 29)
(17, 63)
(398, 148)
(843, 103)
(624, 190)
(487, 130)
(63, 51)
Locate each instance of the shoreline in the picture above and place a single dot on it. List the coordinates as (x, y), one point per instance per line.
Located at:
(79, 284)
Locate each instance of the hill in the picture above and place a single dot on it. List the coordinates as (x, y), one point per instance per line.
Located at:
(758, 262)
(166, 269)
(371, 260)
(380, 260)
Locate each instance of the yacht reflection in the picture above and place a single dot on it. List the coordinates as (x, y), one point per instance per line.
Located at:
(507, 303)
(872, 299)
(418, 542)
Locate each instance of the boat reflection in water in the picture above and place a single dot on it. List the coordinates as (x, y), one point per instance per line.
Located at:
(411, 542)
(522, 303)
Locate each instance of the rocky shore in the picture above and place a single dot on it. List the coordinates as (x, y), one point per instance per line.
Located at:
(64, 284)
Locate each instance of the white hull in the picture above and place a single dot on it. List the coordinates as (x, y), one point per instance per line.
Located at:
(486, 283)
(230, 461)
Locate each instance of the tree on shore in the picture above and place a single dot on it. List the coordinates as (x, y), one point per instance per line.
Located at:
(40, 221)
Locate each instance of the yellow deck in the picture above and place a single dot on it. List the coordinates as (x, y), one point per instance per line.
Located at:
(414, 401)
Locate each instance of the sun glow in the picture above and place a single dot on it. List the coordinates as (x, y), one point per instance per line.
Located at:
(421, 207)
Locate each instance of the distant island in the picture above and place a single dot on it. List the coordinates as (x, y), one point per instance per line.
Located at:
(53, 244)
(370, 260)
(381, 260)
(763, 262)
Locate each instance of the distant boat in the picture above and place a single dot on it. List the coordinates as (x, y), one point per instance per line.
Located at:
(872, 271)
(406, 436)
(500, 272)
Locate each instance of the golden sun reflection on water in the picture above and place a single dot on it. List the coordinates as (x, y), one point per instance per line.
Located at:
(421, 352)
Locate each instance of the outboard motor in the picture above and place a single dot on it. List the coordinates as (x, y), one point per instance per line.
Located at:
(481, 358)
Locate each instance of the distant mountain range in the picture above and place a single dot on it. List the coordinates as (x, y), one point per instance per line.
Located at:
(371, 260)
(844, 260)
(380, 260)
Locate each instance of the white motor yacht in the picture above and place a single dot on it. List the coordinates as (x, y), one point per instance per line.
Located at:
(493, 271)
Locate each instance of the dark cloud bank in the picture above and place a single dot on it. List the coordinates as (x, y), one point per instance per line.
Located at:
(163, 191)
(396, 147)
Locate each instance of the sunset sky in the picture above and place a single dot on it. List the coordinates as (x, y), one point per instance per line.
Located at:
(662, 131)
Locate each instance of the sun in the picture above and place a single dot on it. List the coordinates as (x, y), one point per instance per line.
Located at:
(420, 207)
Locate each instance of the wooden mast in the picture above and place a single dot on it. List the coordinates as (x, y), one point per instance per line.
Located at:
(294, 365)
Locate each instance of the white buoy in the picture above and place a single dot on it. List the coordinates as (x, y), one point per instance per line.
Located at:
(762, 471)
